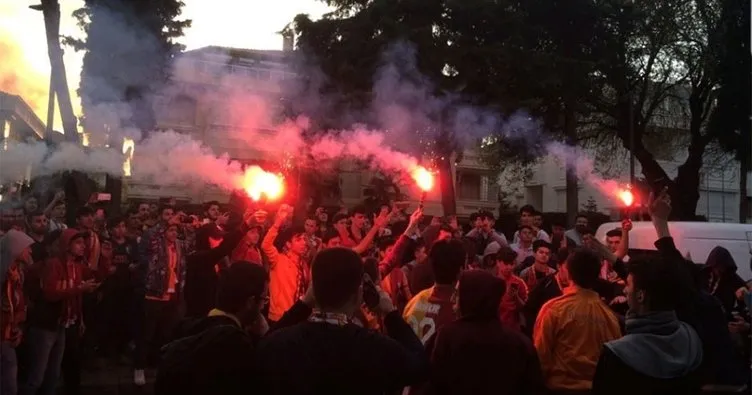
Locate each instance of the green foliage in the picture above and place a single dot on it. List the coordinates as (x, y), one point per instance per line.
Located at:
(590, 205)
(128, 48)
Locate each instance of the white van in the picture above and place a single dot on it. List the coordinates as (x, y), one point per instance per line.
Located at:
(694, 240)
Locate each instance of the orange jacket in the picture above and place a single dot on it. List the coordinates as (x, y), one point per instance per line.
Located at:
(568, 336)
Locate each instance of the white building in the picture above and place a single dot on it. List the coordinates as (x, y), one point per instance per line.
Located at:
(546, 189)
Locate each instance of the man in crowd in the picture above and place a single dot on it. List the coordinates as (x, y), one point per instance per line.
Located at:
(433, 307)
(572, 329)
(165, 279)
(328, 354)
(540, 268)
(534, 219)
(659, 353)
(214, 354)
(477, 353)
(515, 296)
(524, 245)
(37, 227)
(15, 256)
(288, 270)
(486, 233)
(58, 322)
(576, 234)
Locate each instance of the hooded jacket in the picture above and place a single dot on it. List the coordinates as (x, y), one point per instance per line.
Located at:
(60, 281)
(725, 286)
(12, 301)
(476, 354)
(659, 355)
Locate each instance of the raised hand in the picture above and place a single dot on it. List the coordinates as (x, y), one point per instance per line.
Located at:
(660, 206)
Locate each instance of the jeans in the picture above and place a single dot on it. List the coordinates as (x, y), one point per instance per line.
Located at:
(45, 356)
(8, 369)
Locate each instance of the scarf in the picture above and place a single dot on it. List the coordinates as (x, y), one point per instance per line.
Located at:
(659, 345)
(302, 280)
(338, 319)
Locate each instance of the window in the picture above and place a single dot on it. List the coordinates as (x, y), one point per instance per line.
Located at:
(468, 186)
(181, 111)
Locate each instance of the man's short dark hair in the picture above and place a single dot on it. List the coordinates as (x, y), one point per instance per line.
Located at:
(329, 235)
(487, 215)
(339, 217)
(115, 221)
(84, 211)
(614, 233)
(581, 215)
(587, 231)
(447, 259)
(240, 282)
(507, 255)
(528, 227)
(211, 203)
(473, 217)
(529, 209)
(289, 234)
(541, 244)
(337, 274)
(30, 217)
(537, 213)
(164, 207)
(359, 209)
(658, 281)
(584, 268)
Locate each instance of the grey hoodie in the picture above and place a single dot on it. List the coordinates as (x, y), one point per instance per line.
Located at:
(11, 246)
(658, 345)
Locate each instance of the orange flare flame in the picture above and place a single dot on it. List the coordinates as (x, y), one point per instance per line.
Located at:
(626, 197)
(423, 178)
(257, 182)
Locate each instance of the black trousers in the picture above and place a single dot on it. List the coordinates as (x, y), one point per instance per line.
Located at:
(72, 356)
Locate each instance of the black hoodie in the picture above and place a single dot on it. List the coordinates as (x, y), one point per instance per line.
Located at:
(723, 287)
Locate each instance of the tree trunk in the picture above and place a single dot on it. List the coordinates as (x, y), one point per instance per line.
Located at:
(446, 183)
(570, 131)
(743, 198)
(51, 11)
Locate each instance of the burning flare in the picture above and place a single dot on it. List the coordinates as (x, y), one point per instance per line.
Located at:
(257, 182)
(423, 178)
(128, 147)
(626, 197)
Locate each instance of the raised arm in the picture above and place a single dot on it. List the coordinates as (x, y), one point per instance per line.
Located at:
(267, 244)
(392, 260)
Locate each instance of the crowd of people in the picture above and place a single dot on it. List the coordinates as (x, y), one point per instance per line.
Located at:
(357, 302)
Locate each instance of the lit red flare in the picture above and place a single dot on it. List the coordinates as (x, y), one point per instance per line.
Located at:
(423, 178)
(258, 182)
(626, 197)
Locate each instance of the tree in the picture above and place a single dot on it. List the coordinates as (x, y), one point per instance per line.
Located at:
(658, 70)
(590, 205)
(452, 73)
(127, 55)
(731, 116)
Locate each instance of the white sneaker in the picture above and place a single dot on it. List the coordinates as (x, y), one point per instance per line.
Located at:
(139, 378)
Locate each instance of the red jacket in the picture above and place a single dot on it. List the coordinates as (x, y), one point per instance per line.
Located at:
(61, 279)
